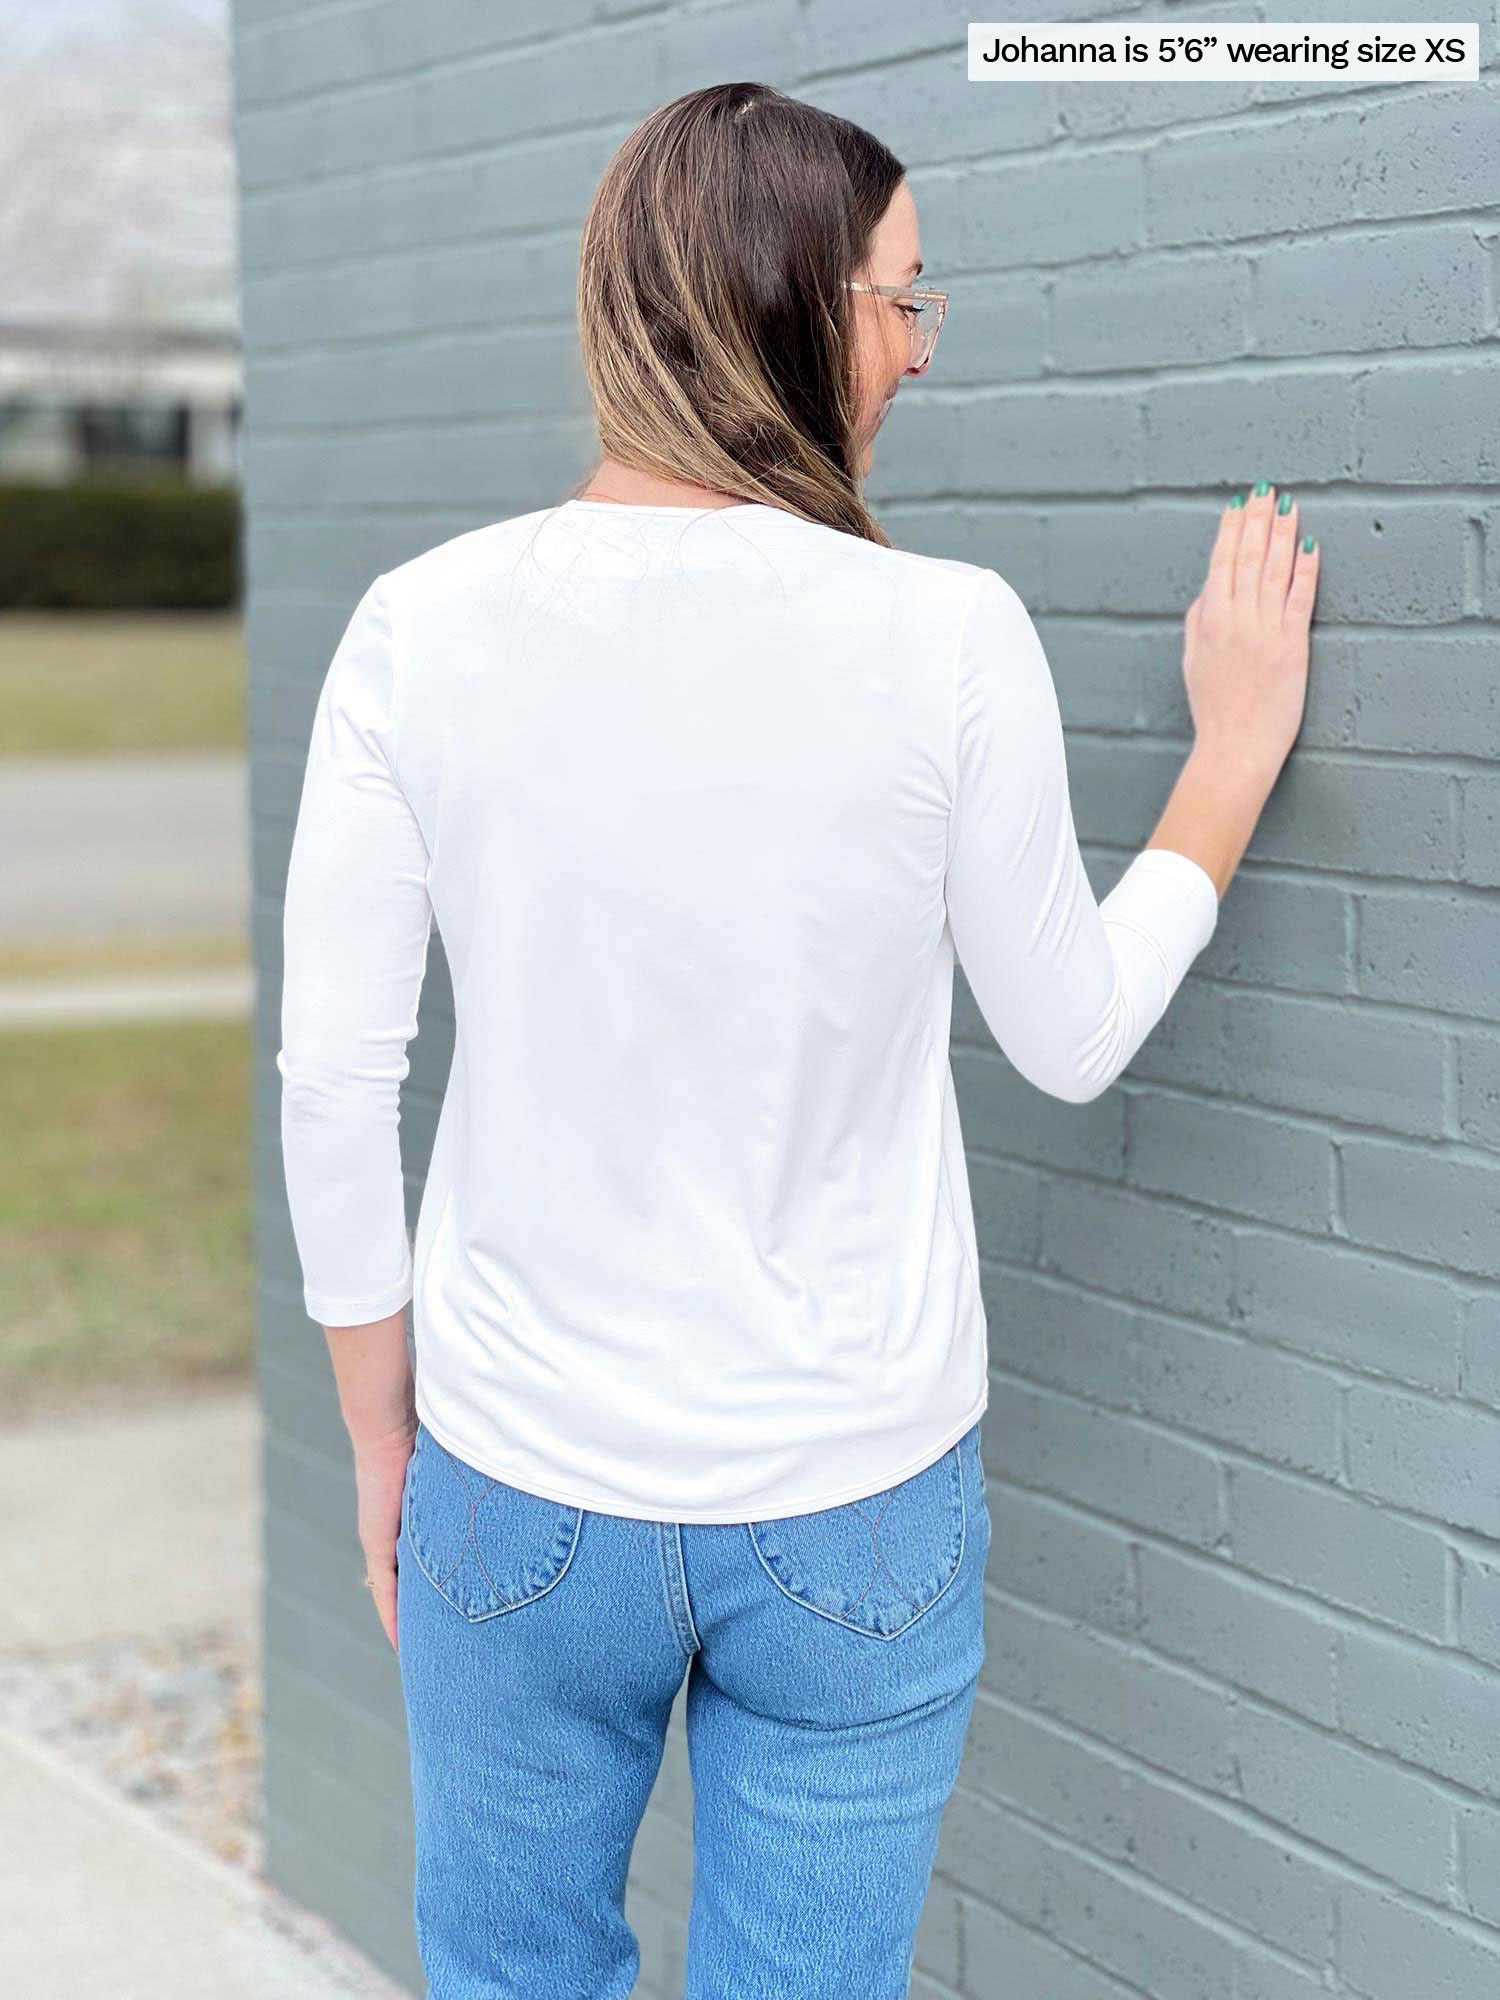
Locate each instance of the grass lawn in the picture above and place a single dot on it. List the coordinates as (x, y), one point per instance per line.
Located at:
(90, 683)
(125, 1234)
(117, 957)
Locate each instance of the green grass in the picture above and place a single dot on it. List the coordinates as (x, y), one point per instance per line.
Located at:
(125, 1244)
(125, 1235)
(93, 683)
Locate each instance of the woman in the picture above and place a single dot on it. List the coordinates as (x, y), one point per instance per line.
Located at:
(703, 782)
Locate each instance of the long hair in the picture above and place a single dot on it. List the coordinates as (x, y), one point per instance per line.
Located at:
(713, 316)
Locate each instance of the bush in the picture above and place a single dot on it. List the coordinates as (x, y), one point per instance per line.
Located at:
(113, 544)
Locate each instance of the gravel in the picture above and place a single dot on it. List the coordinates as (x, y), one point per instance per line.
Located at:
(173, 1723)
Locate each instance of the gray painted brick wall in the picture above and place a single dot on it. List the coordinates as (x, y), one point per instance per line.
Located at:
(1239, 1734)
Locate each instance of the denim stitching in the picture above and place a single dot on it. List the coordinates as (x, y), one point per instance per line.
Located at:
(682, 1617)
(469, 1543)
(687, 1596)
(881, 1560)
(953, 1457)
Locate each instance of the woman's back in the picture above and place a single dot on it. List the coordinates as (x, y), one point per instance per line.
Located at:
(706, 785)
(700, 800)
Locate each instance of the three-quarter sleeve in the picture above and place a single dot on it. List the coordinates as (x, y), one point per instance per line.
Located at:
(1069, 987)
(356, 923)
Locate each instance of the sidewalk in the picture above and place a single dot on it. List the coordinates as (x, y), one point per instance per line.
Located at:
(219, 993)
(122, 1525)
(98, 1899)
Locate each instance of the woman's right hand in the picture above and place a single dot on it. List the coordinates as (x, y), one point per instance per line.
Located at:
(1245, 646)
(380, 1483)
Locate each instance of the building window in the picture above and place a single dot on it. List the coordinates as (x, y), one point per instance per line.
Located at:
(118, 436)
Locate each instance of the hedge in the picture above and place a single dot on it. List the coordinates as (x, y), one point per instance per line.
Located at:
(111, 543)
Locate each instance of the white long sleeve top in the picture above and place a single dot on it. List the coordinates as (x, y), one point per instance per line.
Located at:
(701, 802)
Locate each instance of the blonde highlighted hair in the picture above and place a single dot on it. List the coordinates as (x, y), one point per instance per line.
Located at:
(713, 316)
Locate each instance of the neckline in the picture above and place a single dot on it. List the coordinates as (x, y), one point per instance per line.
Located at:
(649, 507)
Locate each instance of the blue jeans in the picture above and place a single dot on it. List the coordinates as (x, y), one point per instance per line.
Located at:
(831, 1662)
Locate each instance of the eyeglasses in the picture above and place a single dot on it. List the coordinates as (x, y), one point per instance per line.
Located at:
(924, 311)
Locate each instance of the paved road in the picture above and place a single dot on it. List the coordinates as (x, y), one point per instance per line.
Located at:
(102, 845)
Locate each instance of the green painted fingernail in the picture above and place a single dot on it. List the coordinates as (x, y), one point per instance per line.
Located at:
(1284, 504)
(1308, 545)
(1263, 486)
(1238, 500)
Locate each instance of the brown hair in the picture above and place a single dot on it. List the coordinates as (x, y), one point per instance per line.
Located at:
(715, 327)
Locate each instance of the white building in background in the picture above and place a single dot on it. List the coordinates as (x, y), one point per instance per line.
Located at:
(79, 398)
(119, 319)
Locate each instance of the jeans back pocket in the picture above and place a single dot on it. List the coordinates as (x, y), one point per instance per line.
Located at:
(876, 1564)
(486, 1546)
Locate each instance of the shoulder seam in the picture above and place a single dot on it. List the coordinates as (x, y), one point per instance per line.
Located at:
(958, 647)
(380, 595)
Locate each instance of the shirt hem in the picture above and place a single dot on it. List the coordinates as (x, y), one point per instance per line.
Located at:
(861, 1490)
(346, 1312)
